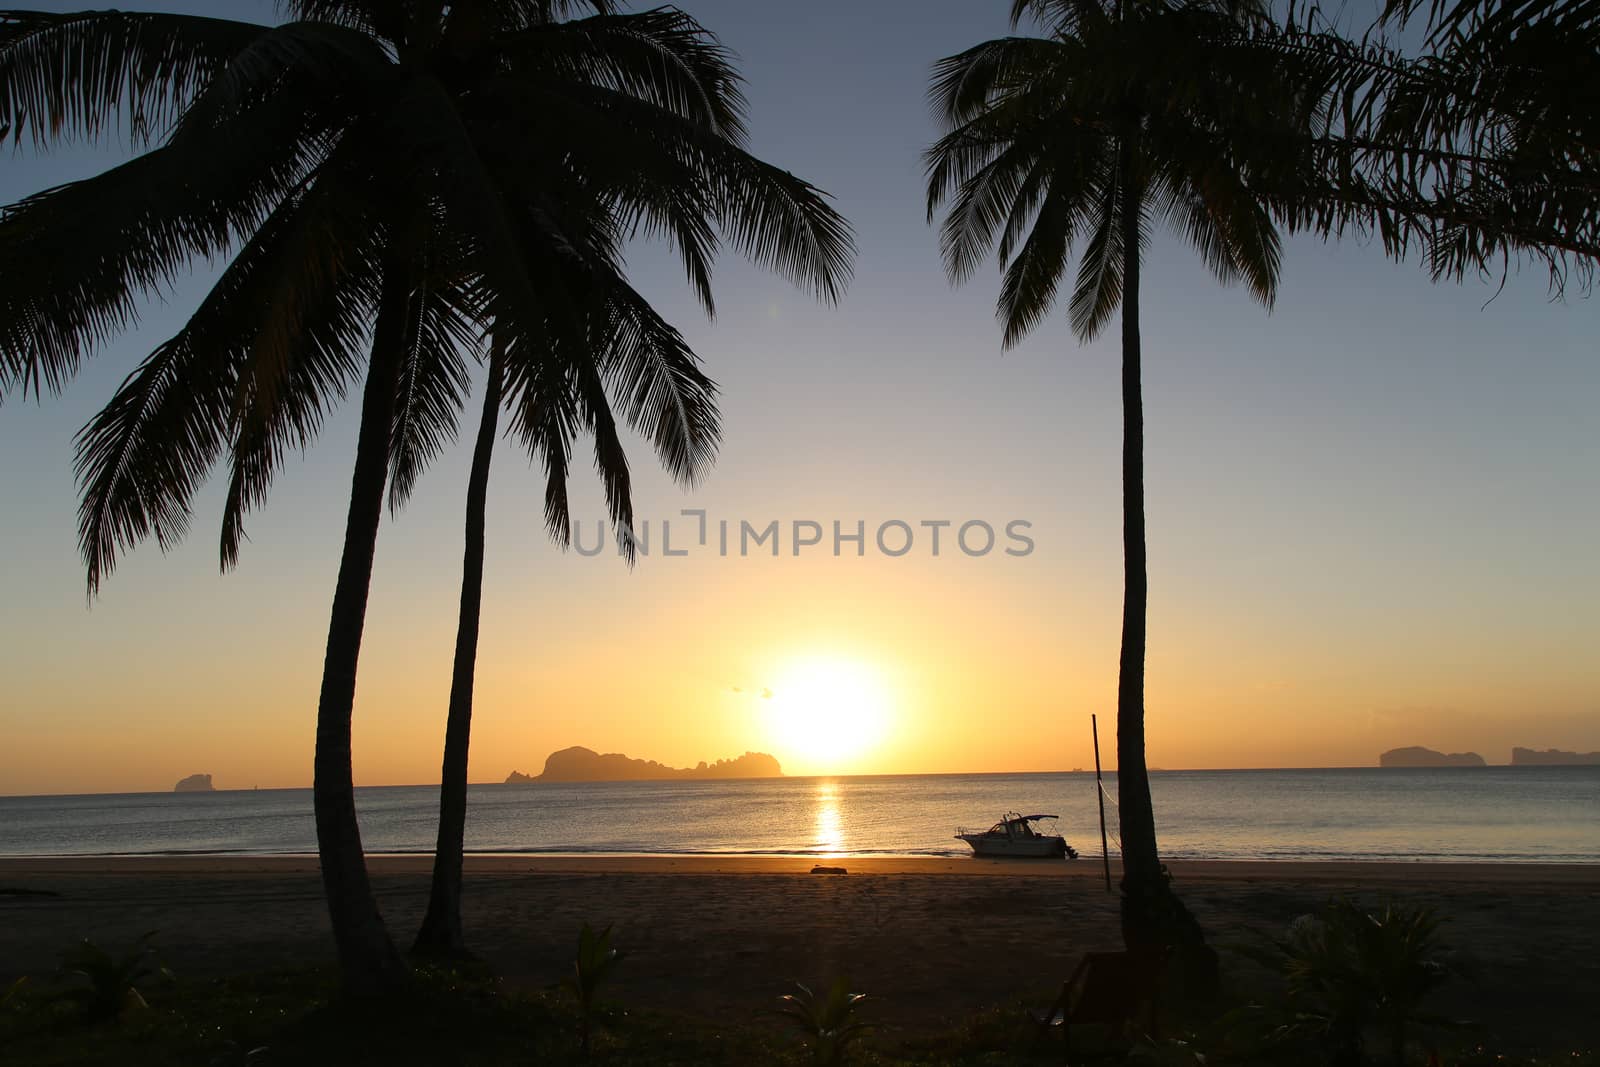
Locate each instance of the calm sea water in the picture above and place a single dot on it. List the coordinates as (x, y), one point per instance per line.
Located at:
(1523, 813)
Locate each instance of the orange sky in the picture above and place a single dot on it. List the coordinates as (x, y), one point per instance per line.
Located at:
(967, 665)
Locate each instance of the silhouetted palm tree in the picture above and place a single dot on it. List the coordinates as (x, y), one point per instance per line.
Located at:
(679, 411)
(395, 173)
(549, 407)
(1087, 138)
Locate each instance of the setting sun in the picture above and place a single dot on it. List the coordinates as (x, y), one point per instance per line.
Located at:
(826, 713)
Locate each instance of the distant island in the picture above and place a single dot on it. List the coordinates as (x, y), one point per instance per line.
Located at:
(1553, 757)
(1417, 756)
(195, 783)
(578, 764)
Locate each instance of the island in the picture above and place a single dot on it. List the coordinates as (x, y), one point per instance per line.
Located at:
(1417, 756)
(1553, 757)
(579, 764)
(195, 783)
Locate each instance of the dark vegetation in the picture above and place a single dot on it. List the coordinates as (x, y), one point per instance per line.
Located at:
(1346, 988)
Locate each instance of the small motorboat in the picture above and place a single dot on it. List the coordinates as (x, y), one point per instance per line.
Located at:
(1017, 836)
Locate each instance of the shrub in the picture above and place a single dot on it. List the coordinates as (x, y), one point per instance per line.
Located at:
(109, 984)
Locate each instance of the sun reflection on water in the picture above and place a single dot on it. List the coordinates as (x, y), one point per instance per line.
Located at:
(829, 833)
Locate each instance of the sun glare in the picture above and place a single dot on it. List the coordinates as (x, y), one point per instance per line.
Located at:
(826, 714)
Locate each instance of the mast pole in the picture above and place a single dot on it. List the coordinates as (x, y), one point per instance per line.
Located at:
(1100, 796)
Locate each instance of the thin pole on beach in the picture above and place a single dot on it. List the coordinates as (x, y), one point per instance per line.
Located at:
(1100, 795)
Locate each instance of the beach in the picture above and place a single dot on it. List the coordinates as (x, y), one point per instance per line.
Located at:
(932, 939)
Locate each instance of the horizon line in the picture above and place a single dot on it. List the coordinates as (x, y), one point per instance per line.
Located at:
(806, 777)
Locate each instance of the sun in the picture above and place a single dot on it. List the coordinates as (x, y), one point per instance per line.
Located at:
(826, 714)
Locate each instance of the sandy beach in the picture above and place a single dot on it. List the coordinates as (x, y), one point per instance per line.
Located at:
(933, 939)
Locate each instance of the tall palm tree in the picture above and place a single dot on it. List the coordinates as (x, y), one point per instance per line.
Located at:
(388, 179)
(679, 409)
(1121, 116)
(543, 421)
(683, 409)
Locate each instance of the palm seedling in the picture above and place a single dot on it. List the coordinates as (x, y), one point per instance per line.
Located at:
(1360, 972)
(828, 1021)
(591, 968)
(1357, 979)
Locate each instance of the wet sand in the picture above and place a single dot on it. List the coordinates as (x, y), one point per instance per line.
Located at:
(934, 939)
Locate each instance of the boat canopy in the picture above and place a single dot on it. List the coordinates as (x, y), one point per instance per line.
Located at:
(1031, 818)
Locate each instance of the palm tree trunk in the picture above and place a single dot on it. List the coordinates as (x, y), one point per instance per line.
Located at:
(441, 927)
(1152, 915)
(369, 963)
(1141, 864)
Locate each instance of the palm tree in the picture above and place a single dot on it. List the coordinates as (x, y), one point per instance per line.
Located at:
(685, 409)
(387, 179)
(682, 406)
(679, 408)
(1120, 117)
(441, 924)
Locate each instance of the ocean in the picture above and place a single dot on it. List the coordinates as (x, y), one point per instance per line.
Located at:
(1525, 814)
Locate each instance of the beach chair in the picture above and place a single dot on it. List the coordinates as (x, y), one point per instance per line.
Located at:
(1117, 990)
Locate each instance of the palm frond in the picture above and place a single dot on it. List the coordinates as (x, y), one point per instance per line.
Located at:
(662, 57)
(75, 260)
(540, 393)
(1202, 190)
(1000, 195)
(381, 19)
(91, 72)
(610, 458)
(483, 212)
(1028, 288)
(334, 73)
(1476, 153)
(1098, 289)
(657, 377)
(141, 459)
(1061, 18)
(143, 456)
(968, 85)
(316, 294)
(673, 177)
(784, 223)
(433, 383)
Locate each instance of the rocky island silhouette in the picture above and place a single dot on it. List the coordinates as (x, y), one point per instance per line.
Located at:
(579, 764)
(1417, 756)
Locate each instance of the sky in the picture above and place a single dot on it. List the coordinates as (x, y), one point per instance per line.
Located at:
(1372, 516)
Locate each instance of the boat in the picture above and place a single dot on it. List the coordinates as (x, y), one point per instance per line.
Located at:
(1016, 836)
